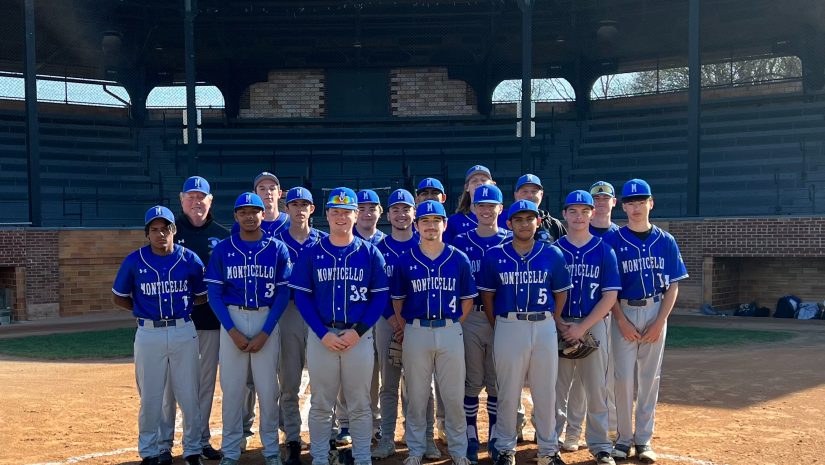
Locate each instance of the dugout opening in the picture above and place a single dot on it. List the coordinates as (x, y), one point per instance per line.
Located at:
(8, 294)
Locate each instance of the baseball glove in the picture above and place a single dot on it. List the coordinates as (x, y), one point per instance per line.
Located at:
(581, 349)
(394, 353)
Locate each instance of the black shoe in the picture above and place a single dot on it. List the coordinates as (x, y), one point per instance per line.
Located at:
(505, 458)
(149, 461)
(209, 453)
(293, 453)
(165, 457)
(194, 459)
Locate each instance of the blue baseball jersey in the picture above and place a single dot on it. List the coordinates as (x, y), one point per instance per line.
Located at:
(249, 274)
(460, 223)
(475, 246)
(161, 287)
(433, 289)
(374, 240)
(273, 228)
(611, 230)
(393, 250)
(593, 271)
(346, 284)
(524, 283)
(294, 247)
(647, 267)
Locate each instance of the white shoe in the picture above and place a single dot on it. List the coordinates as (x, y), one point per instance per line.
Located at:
(432, 452)
(571, 444)
(384, 449)
(646, 454)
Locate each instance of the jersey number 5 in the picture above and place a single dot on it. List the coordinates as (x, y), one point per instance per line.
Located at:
(542, 297)
(358, 293)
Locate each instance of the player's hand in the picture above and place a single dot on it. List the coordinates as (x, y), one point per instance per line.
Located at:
(629, 332)
(332, 342)
(241, 341)
(653, 332)
(350, 338)
(257, 342)
(398, 332)
(573, 332)
(394, 324)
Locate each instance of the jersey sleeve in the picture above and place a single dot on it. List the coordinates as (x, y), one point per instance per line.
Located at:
(560, 279)
(283, 270)
(487, 276)
(214, 272)
(610, 279)
(398, 283)
(301, 276)
(673, 262)
(124, 280)
(466, 282)
(197, 274)
(379, 282)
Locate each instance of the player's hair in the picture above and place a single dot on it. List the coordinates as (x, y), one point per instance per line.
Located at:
(172, 228)
(464, 202)
(208, 196)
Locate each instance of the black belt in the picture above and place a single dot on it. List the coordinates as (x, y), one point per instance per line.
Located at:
(341, 325)
(527, 316)
(249, 309)
(435, 323)
(162, 323)
(643, 302)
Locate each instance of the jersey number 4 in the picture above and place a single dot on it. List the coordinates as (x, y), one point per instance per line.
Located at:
(359, 294)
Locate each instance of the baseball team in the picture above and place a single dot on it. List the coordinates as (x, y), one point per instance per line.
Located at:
(440, 308)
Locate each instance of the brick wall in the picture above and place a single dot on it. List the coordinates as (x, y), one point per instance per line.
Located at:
(429, 92)
(32, 254)
(285, 94)
(89, 261)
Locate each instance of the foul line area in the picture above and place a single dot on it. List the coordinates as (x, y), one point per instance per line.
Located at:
(304, 396)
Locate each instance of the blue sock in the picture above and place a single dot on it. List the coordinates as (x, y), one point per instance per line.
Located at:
(471, 414)
(492, 414)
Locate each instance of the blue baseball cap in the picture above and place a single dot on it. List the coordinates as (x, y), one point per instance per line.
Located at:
(368, 196)
(299, 193)
(343, 197)
(248, 199)
(522, 206)
(158, 211)
(528, 179)
(430, 208)
(602, 188)
(265, 175)
(488, 193)
(196, 184)
(401, 196)
(579, 197)
(636, 188)
(430, 183)
(478, 169)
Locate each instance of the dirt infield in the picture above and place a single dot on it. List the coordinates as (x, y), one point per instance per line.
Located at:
(744, 405)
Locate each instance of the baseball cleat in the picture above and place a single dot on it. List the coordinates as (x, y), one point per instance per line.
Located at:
(570, 444)
(293, 453)
(472, 451)
(461, 461)
(550, 460)
(412, 460)
(273, 460)
(165, 457)
(432, 452)
(604, 458)
(209, 453)
(194, 459)
(620, 452)
(343, 438)
(149, 461)
(645, 454)
(228, 461)
(384, 449)
(506, 458)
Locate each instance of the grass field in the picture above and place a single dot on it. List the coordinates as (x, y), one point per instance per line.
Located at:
(117, 343)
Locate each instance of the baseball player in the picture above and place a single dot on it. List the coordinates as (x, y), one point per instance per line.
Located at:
(366, 228)
(400, 213)
(159, 283)
(197, 231)
(522, 283)
(651, 267)
(247, 278)
(268, 188)
(478, 335)
(297, 238)
(341, 291)
(465, 218)
(592, 265)
(430, 189)
(528, 187)
(573, 404)
(432, 291)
